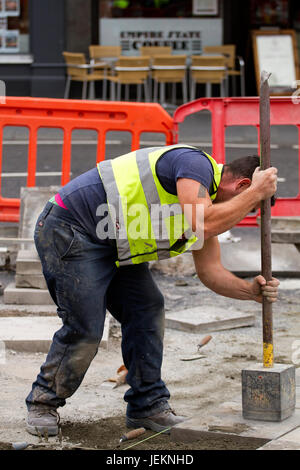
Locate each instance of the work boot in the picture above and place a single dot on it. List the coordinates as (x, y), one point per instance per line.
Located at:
(42, 420)
(159, 422)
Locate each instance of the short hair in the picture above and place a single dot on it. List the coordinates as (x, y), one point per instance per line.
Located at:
(244, 167)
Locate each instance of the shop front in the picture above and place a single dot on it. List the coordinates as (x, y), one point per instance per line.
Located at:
(186, 26)
(34, 33)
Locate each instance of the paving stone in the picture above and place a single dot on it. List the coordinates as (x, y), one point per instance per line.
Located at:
(244, 258)
(28, 262)
(14, 310)
(34, 334)
(289, 441)
(279, 444)
(35, 281)
(207, 318)
(19, 295)
(293, 436)
(228, 420)
(289, 284)
(33, 201)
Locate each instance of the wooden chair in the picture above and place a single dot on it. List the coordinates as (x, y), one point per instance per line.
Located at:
(105, 53)
(169, 69)
(229, 52)
(131, 71)
(208, 70)
(108, 55)
(152, 51)
(78, 71)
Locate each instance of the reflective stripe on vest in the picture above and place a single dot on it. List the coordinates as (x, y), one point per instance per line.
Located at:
(131, 179)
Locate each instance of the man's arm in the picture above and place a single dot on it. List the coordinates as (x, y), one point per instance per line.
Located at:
(214, 276)
(219, 218)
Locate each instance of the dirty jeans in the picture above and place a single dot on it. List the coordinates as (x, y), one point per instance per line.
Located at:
(84, 281)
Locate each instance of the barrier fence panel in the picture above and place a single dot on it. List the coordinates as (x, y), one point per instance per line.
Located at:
(136, 118)
(245, 112)
(69, 115)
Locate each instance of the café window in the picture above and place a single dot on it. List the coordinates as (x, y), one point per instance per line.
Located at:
(14, 26)
(156, 8)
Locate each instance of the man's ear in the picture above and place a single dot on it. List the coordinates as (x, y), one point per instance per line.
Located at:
(243, 183)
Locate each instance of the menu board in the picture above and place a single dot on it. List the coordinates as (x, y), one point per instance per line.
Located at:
(275, 52)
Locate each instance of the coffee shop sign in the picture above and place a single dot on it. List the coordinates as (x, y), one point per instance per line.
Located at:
(178, 40)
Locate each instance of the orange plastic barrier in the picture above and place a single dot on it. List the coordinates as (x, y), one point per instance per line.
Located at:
(69, 115)
(245, 112)
(136, 118)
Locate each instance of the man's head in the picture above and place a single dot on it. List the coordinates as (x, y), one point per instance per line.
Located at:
(237, 177)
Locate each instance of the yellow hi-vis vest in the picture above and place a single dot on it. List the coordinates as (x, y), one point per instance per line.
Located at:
(148, 221)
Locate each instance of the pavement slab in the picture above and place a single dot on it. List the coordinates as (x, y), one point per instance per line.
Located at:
(33, 200)
(208, 318)
(28, 262)
(26, 295)
(230, 421)
(34, 334)
(17, 310)
(227, 419)
(289, 441)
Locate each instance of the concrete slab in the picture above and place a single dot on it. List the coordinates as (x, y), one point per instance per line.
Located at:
(33, 201)
(28, 262)
(287, 224)
(228, 420)
(293, 436)
(207, 318)
(14, 310)
(19, 295)
(34, 334)
(289, 284)
(279, 444)
(289, 441)
(34, 281)
(244, 258)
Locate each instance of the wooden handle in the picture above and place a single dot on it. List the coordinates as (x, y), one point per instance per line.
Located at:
(205, 340)
(266, 255)
(133, 434)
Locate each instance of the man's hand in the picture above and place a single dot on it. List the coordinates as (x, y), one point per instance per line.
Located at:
(264, 182)
(262, 288)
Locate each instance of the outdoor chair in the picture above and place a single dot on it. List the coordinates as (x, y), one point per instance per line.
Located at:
(131, 71)
(169, 69)
(207, 70)
(229, 52)
(108, 55)
(78, 71)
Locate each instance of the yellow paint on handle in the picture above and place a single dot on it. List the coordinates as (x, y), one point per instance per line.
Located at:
(268, 355)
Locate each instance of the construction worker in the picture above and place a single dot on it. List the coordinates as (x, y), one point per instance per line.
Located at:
(95, 239)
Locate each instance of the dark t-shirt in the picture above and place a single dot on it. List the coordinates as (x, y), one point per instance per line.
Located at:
(85, 193)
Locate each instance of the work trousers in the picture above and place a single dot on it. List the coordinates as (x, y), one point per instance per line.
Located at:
(84, 282)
